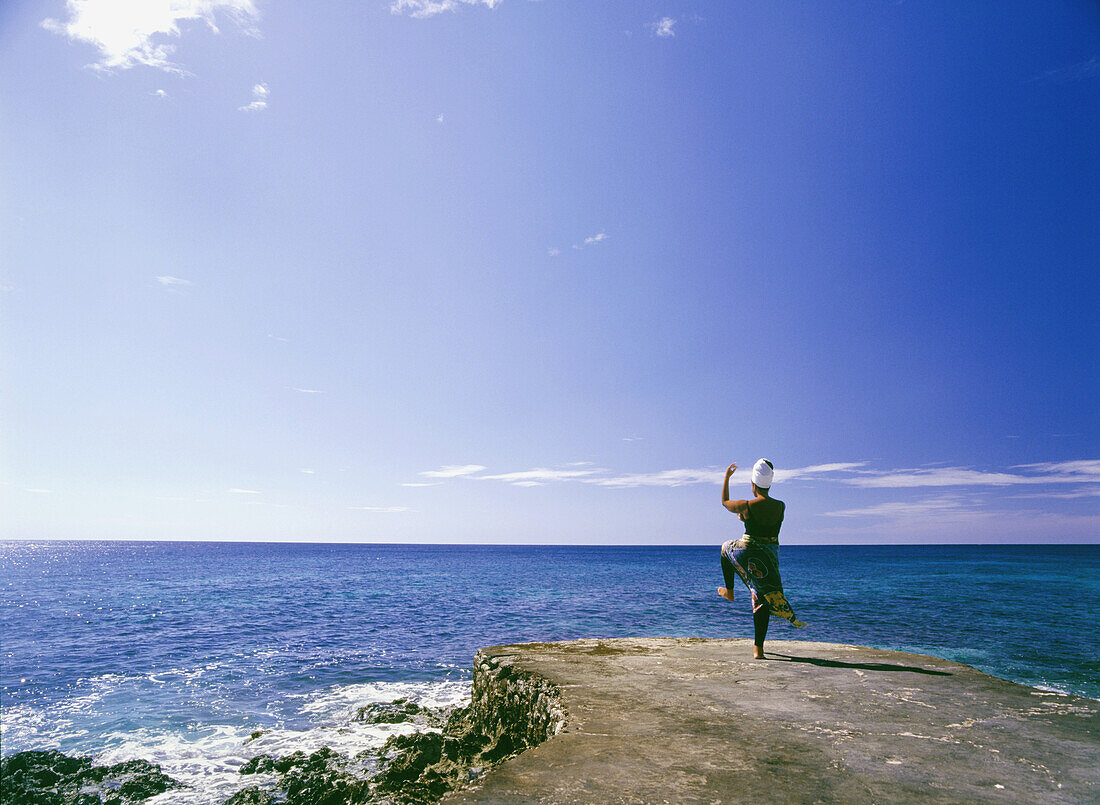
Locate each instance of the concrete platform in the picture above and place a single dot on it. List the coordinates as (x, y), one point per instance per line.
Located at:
(666, 720)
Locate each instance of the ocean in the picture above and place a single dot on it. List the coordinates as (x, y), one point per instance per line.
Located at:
(179, 652)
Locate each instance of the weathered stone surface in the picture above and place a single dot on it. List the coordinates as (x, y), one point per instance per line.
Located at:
(698, 721)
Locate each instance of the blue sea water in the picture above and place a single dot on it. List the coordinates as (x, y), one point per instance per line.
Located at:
(177, 652)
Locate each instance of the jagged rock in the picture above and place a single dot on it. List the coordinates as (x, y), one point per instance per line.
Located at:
(54, 778)
(395, 712)
(401, 711)
(510, 711)
(321, 778)
(261, 764)
(250, 796)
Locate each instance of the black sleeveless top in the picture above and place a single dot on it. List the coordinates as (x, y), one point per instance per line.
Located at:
(760, 531)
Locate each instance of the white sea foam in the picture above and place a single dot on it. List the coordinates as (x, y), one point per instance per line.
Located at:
(207, 758)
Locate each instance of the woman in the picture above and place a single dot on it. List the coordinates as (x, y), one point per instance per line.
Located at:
(755, 557)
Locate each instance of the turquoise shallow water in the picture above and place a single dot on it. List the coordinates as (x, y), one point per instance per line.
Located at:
(176, 651)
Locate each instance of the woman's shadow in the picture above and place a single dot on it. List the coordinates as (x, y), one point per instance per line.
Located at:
(863, 666)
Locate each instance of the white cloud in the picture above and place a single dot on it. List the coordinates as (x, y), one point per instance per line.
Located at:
(912, 508)
(1076, 494)
(38, 491)
(453, 471)
(383, 509)
(173, 282)
(260, 93)
(681, 477)
(274, 337)
(538, 475)
(1090, 467)
(237, 491)
(663, 27)
(553, 252)
(128, 33)
(439, 118)
(160, 93)
(1075, 72)
(429, 8)
(1087, 471)
(421, 485)
(592, 240)
(816, 470)
(307, 471)
(713, 475)
(306, 391)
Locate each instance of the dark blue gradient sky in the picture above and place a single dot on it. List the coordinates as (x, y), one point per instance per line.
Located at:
(594, 253)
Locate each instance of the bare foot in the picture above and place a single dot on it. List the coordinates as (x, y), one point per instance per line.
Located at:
(727, 594)
(758, 653)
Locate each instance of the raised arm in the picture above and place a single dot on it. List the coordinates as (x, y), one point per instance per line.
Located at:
(735, 506)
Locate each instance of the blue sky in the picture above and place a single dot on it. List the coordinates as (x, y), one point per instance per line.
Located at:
(521, 271)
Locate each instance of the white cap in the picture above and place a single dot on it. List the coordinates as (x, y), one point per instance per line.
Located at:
(762, 474)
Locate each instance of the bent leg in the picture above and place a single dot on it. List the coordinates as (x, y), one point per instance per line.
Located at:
(729, 574)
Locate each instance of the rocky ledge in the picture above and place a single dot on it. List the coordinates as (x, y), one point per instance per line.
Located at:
(698, 721)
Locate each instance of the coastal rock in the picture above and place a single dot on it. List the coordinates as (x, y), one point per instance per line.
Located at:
(510, 710)
(400, 711)
(251, 796)
(261, 764)
(698, 721)
(54, 778)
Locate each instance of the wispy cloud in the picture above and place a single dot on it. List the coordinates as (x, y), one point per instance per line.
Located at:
(429, 8)
(174, 283)
(439, 118)
(260, 94)
(680, 477)
(307, 471)
(552, 251)
(1086, 471)
(129, 33)
(817, 470)
(436, 483)
(237, 491)
(910, 508)
(306, 391)
(160, 93)
(1081, 71)
(851, 473)
(1076, 494)
(38, 491)
(584, 472)
(453, 471)
(382, 509)
(591, 240)
(274, 337)
(539, 476)
(663, 27)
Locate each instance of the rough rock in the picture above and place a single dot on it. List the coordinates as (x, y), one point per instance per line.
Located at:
(400, 711)
(54, 778)
(698, 721)
(510, 710)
